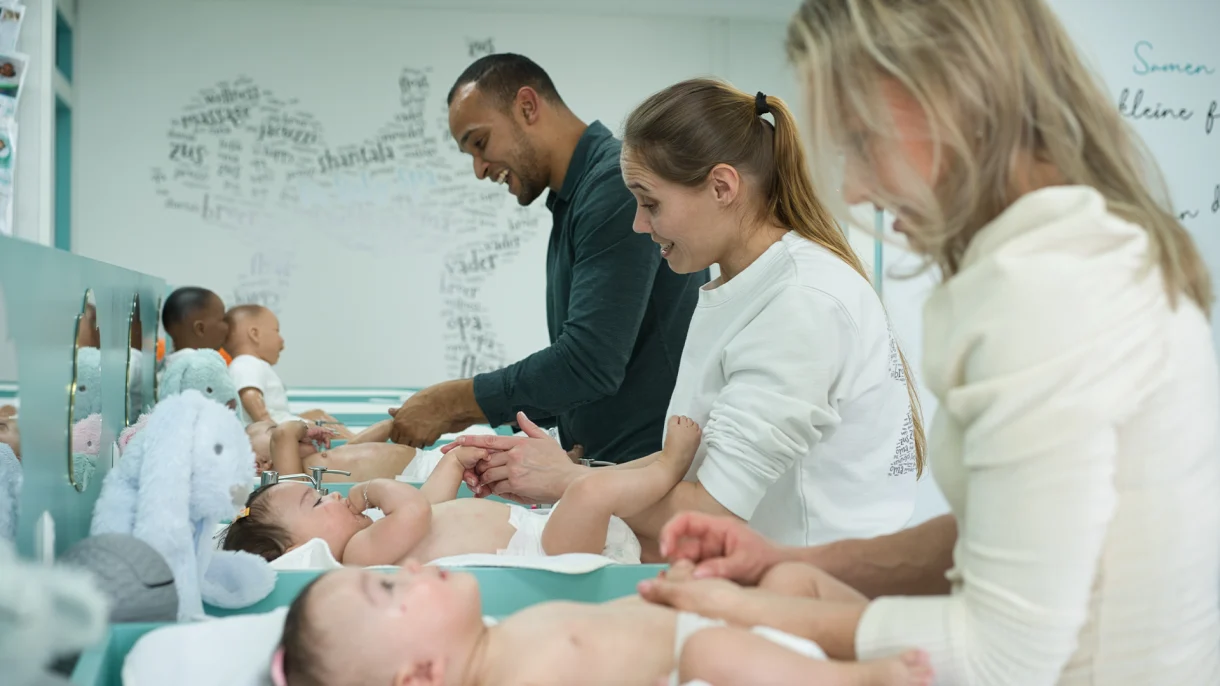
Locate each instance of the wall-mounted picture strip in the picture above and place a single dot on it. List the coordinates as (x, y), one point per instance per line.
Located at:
(8, 160)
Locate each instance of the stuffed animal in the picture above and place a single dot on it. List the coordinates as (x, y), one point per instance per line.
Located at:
(130, 432)
(45, 613)
(201, 370)
(87, 435)
(189, 468)
(88, 383)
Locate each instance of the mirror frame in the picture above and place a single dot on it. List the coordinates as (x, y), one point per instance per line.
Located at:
(156, 385)
(80, 487)
(132, 317)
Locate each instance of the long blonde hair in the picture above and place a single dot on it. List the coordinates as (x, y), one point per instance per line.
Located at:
(1000, 83)
(683, 131)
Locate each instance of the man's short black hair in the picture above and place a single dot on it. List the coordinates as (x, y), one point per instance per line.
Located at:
(500, 76)
(183, 303)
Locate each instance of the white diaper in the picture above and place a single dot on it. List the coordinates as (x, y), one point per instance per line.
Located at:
(621, 544)
(421, 466)
(689, 624)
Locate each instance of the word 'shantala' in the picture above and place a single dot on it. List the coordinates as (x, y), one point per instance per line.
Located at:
(355, 157)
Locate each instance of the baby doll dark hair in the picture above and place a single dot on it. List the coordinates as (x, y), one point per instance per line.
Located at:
(299, 658)
(254, 530)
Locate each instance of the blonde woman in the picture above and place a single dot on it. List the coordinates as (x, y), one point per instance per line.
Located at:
(1069, 347)
(811, 426)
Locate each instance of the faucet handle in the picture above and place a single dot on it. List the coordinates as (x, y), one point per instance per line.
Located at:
(269, 478)
(318, 471)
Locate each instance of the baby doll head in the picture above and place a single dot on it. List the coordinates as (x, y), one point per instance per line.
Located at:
(421, 625)
(283, 516)
(254, 330)
(194, 317)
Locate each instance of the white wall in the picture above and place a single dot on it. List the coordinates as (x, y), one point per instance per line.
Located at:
(33, 188)
(359, 299)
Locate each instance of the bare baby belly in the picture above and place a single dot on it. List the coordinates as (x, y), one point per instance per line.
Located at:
(463, 526)
(365, 461)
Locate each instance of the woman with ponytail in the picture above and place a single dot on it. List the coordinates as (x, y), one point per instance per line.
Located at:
(812, 430)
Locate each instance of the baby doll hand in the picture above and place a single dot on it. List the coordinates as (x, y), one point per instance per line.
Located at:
(358, 498)
(319, 434)
(468, 457)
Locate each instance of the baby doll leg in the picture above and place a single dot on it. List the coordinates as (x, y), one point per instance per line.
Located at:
(728, 656)
(582, 516)
(800, 579)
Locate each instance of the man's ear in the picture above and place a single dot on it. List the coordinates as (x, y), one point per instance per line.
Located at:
(526, 105)
(424, 673)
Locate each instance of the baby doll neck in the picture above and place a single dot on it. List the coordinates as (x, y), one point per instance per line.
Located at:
(479, 661)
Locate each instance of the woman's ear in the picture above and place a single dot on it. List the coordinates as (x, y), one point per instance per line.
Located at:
(725, 184)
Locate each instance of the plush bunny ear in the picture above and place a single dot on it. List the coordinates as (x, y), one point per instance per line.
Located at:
(163, 502)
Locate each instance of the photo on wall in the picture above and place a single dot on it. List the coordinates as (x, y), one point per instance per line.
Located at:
(13, 66)
(11, 16)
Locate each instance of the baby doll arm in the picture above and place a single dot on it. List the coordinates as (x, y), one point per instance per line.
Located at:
(442, 485)
(408, 518)
(377, 433)
(252, 403)
(285, 454)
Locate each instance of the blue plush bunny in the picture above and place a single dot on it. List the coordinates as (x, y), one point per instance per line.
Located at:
(88, 383)
(200, 370)
(189, 468)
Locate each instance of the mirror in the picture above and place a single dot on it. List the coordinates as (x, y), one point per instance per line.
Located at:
(10, 435)
(159, 352)
(135, 364)
(85, 395)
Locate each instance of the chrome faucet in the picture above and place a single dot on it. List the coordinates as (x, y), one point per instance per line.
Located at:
(314, 478)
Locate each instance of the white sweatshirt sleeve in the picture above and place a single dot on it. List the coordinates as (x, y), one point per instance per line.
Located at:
(778, 398)
(1038, 358)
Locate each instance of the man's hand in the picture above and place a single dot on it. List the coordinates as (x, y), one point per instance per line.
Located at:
(722, 547)
(434, 411)
(530, 470)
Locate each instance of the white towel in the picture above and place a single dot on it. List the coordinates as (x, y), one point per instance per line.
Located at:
(316, 555)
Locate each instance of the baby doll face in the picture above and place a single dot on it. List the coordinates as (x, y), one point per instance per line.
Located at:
(306, 515)
(270, 342)
(10, 434)
(210, 326)
(419, 615)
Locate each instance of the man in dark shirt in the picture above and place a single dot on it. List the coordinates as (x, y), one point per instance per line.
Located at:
(616, 314)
